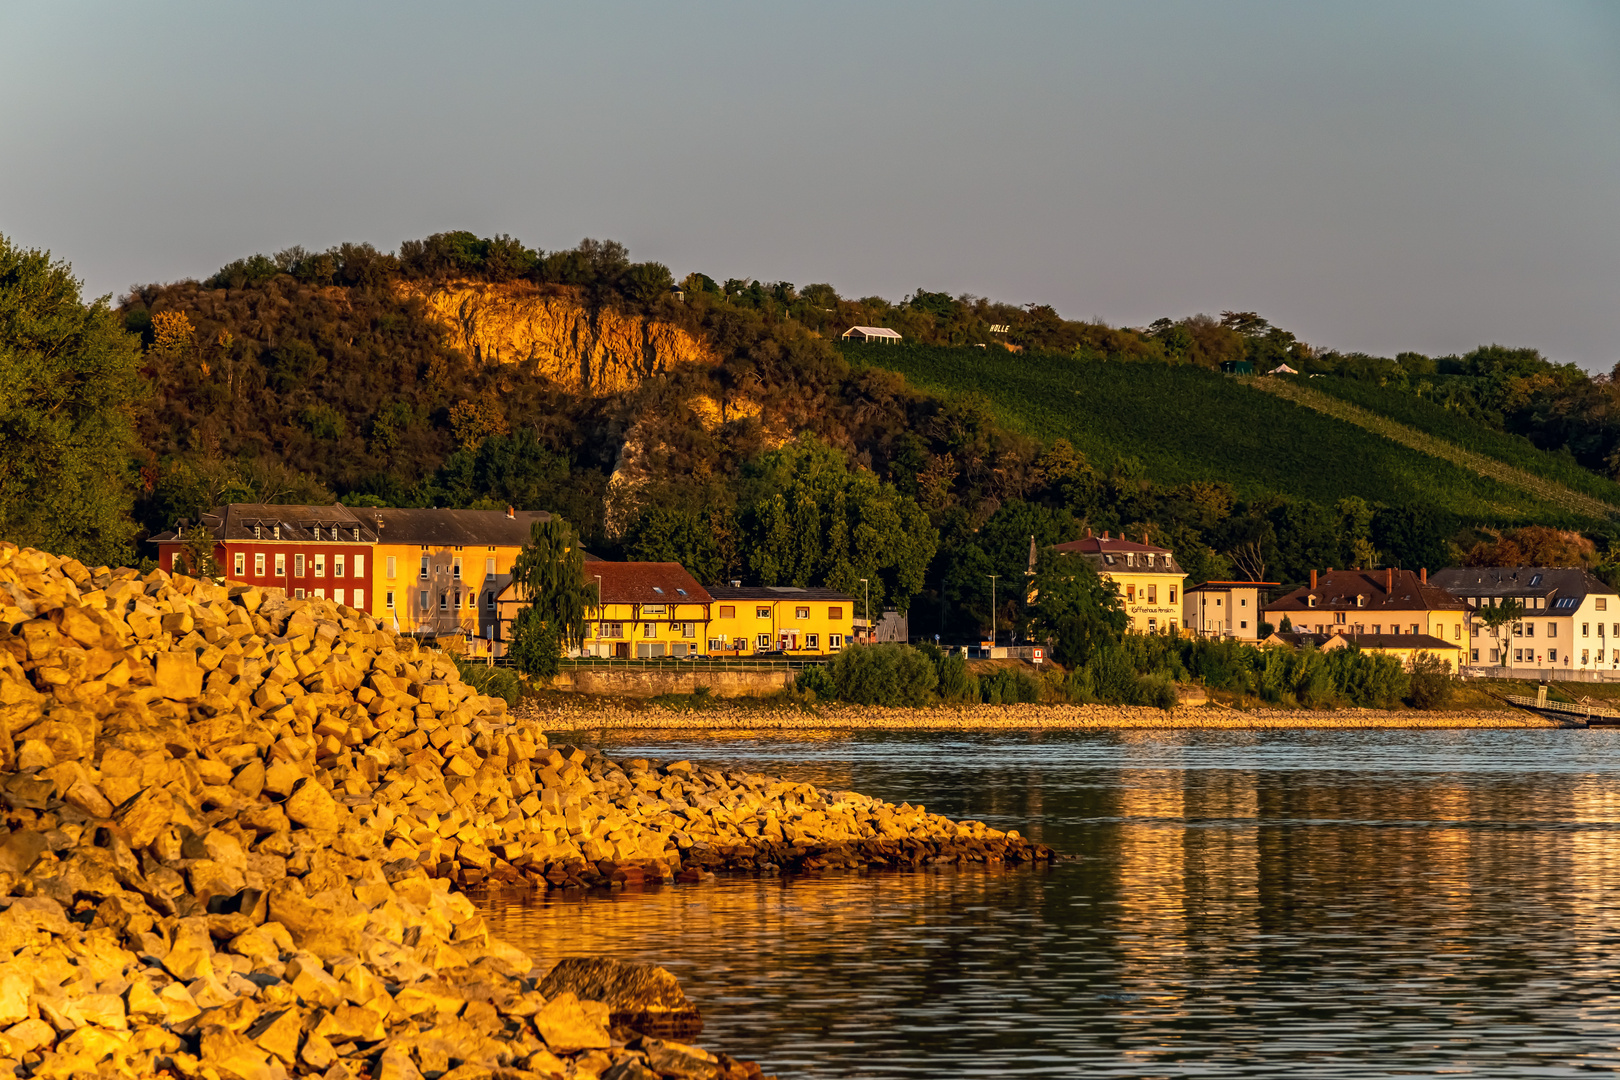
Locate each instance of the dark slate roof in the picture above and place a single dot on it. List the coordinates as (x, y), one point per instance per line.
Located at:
(298, 522)
(448, 528)
(776, 592)
(1108, 554)
(1382, 590)
(1503, 582)
(1223, 586)
(646, 583)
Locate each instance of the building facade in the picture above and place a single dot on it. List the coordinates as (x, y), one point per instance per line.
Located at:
(310, 551)
(1148, 578)
(1400, 646)
(648, 610)
(779, 619)
(438, 573)
(1571, 618)
(1373, 602)
(1225, 609)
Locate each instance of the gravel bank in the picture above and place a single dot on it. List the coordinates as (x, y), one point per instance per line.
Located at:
(589, 715)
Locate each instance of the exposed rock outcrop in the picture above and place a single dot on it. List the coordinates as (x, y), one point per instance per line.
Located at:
(592, 352)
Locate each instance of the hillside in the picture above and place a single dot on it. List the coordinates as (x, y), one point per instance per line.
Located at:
(1183, 424)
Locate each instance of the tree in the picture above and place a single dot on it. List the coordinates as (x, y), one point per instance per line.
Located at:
(550, 576)
(68, 379)
(1076, 611)
(1498, 615)
(197, 550)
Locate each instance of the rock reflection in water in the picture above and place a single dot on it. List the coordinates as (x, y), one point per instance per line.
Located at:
(1240, 905)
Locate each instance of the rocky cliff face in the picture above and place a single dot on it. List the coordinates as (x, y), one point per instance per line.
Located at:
(599, 352)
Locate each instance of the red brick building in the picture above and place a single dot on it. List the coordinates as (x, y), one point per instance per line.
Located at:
(310, 551)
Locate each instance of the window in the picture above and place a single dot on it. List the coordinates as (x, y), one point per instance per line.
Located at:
(455, 569)
(652, 609)
(424, 573)
(1530, 629)
(1244, 625)
(281, 566)
(1242, 601)
(1416, 629)
(390, 601)
(1339, 617)
(320, 566)
(241, 564)
(1585, 630)
(1518, 656)
(1552, 656)
(258, 564)
(689, 630)
(835, 641)
(391, 565)
(1535, 579)
(489, 601)
(812, 641)
(658, 589)
(359, 566)
(357, 532)
(258, 532)
(277, 531)
(762, 643)
(298, 593)
(489, 565)
(1310, 601)
(1456, 631)
(1173, 594)
(337, 566)
(457, 596)
(680, 592)
(320, 594)
(1361, 601)
(762, 613)
(1473, 656)
(1378, 628)
(801, 613)
(728, 611)
(1603, 603)
(422, 602)
(835, 613)
(1153, 594)
(444, 601)
(1586, 656)
(649, 629)
(1130, 594)
(298, 566)
(337, 595)
(1217, 601)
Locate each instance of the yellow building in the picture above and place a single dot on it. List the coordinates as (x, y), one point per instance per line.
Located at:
(648, 610)
(437, 573)
(779, 619)
(1225, 609)
(1374, 603)
(1148, 578)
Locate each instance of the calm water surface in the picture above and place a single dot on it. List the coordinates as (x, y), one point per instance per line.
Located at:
(1237, 904)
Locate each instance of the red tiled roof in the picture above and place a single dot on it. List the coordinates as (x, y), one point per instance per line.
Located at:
(1387, 590)
(646, 583)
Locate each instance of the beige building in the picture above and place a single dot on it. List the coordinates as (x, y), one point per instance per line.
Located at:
(1148, 578)
(1571, 619)
(1401, 646)
(1373, 602)
(1225, 609)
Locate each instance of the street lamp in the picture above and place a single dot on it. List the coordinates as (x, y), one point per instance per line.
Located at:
(992, 578)
(868, 610)
(598, 607)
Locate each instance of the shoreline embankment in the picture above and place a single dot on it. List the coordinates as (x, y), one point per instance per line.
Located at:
(237, 829)
(608, 715)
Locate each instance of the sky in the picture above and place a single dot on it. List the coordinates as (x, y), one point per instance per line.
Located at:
(1372, 176)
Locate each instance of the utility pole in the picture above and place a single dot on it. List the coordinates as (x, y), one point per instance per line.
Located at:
(992, 578)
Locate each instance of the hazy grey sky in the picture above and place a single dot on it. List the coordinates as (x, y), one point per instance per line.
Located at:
(1374, 176)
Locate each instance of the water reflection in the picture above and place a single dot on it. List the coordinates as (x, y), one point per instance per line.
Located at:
(1238, 904)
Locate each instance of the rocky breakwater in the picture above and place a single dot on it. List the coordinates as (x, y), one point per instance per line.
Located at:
(234, 826)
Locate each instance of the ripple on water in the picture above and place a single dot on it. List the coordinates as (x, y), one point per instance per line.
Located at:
(1237, 904)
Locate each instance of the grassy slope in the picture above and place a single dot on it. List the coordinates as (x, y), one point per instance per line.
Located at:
(1186, 423)
(1407, 408)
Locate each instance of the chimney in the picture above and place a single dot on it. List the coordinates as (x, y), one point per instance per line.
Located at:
(1105, 534)
(1389, 579)
(1423, 575)
(511, 512)
(1088, 532)
(1313, 579)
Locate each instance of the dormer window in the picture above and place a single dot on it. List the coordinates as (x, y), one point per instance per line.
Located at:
(258, 532)
(1361, 601)
(1310, 601)
(357, 532)
(277, 533)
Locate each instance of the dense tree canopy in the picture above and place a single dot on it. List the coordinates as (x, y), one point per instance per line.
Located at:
(69, 377)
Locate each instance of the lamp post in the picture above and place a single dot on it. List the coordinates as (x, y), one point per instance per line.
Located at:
(868, 610)
(598, 607)
(992, 578)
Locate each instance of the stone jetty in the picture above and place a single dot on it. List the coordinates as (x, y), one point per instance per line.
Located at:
(237, 828)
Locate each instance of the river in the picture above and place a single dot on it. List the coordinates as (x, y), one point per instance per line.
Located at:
(1231, 904)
